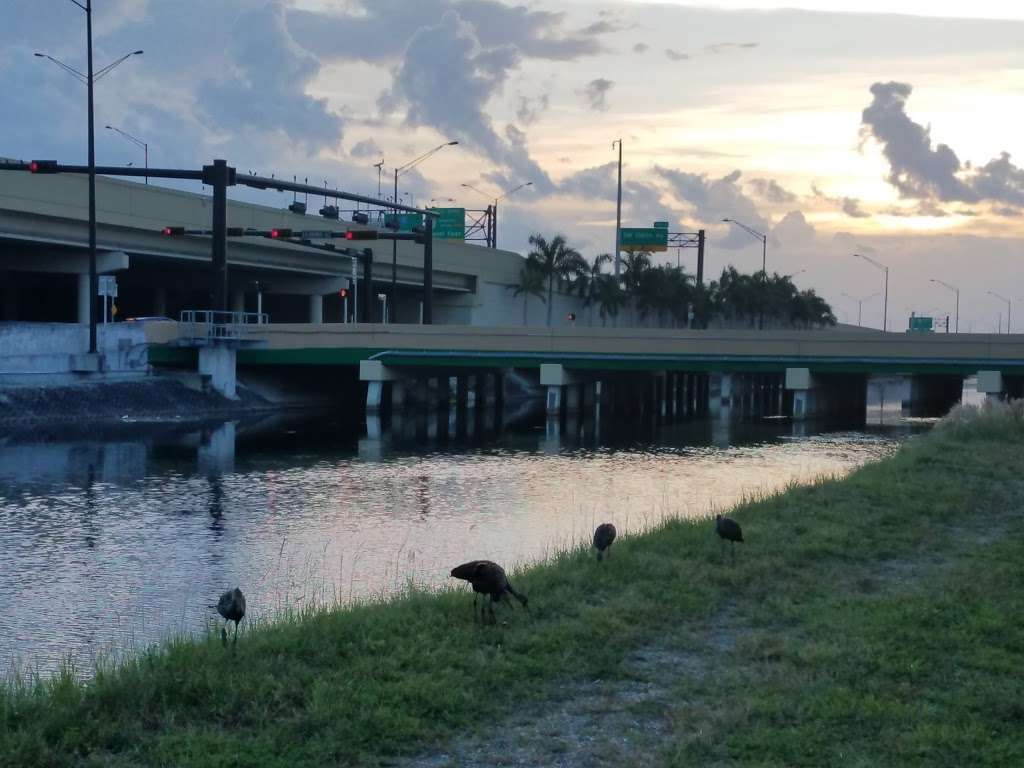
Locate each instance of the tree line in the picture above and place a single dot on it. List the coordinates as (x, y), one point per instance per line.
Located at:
(663, 294)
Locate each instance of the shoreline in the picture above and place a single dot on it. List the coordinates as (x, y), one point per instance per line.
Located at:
(834, 576)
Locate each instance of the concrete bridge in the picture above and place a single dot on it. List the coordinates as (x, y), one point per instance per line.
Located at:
(792, 373)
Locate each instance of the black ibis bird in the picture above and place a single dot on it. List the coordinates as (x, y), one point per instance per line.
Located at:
(487, 578)
(232, 607)
(603, 538)
(728, 529)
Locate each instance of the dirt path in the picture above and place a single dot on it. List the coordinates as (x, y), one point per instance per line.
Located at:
(629, 720)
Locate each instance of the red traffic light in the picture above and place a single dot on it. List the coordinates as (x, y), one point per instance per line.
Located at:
(42, 166)
(171, 231)
(571, 317)
(277, 234)
(343, 293)
(361, 234)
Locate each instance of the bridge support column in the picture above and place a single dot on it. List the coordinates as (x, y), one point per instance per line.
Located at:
(557, 380)
(160, 300)
(990, 383)
(721, 386)
(218, 363)
(931, 395)
(238, 300)
(316, 309)
(375, 374)
(805, 400)
(83, 299)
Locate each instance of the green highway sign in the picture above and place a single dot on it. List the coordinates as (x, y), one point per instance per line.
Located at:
(406, 221)
(661, 224)
(643, 238)
(450, 224)
(919, 323)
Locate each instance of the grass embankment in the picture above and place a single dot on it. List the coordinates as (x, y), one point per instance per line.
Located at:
(874, 620)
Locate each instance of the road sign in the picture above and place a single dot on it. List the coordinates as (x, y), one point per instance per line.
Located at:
(107, 286)
(661, 225)
(919, 323)
(644, 239)
(450, 224)
(406, 221)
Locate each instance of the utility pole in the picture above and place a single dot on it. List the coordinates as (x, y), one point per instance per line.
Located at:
(93, 277)
(618, 213)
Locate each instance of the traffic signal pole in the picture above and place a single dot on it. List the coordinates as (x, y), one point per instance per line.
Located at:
(428, 271)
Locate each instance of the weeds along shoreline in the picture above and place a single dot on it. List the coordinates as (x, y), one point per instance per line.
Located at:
(387, 678)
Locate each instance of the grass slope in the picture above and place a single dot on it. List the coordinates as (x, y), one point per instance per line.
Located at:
(882, 627)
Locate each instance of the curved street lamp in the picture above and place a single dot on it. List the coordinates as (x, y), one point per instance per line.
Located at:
(1008, 306)
(89, 77)
(885, 306)
(392, 299)
(860, 302)
(954, 289)
(137, 142)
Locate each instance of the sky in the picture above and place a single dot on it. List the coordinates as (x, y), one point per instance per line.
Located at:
(889, 129)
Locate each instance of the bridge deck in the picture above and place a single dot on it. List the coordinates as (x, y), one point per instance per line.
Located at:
(623, 349)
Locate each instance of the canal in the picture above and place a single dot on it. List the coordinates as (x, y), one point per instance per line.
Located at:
(117, 538)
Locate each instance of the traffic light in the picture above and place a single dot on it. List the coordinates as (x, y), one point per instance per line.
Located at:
(43, 166)
(359, 218)
(279, 234)
(297, 207)
(329, 212)
(172, 231)
(343, 293)
(361, 234)
(571, 317)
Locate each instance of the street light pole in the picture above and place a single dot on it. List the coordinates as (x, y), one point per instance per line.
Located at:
(618, 213)
(392, 304)
(90, 79)
(860, 303)
(885, 306)
(137, 142)
(764, 253)
(954, 289)
(1008, 305)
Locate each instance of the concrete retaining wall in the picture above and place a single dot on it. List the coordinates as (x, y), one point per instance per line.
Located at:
(35, 353)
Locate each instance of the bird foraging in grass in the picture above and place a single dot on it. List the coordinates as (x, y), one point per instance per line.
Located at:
(728, 530)
(487, 578)
(232, 607)
(603, 538)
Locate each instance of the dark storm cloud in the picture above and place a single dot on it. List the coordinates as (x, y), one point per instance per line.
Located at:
(919, 170)
(772, 191)
(445, 79)
(379, 30)
(596, 93)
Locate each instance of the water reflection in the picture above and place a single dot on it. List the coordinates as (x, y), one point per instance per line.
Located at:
(128, 535)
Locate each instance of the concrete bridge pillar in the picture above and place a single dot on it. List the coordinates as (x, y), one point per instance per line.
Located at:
(805, 400)
(160, 300)
(83, 299)
(316, 309)
(990, 384)
(218, 363)
(238, 300)
(375, 374)
(721, 395)
(557, 379)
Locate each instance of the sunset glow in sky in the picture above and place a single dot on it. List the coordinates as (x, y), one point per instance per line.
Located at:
(837, 127)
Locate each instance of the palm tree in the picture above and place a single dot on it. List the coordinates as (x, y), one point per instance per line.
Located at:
(609, 296)
(556, 259)
(531, 283)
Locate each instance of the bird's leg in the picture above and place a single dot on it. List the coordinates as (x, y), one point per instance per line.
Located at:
(224, 634)
(235, 641)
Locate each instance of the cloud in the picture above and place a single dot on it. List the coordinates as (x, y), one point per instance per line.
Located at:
(793, 230)
(922, 172)
(723, 47)
(366, 148)
(530, 109)
(596, 93)
(379, 30)
(641, 48)
(445, 80)
(717, 199)
(605, 26)
(851, 207)
(674, 55)
(264, 85)
(916, 169)
(771, 191)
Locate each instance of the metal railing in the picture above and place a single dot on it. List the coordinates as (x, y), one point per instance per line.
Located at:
(208, 326)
